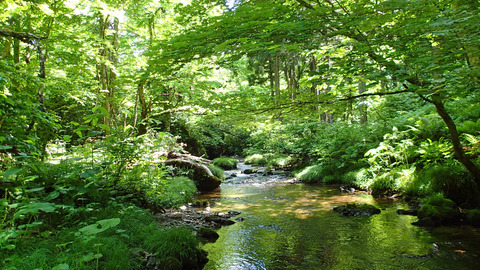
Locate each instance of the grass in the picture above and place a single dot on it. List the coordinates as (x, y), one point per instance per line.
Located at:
(218, 172)
(225, 163)
(311, 174)
(256, 159)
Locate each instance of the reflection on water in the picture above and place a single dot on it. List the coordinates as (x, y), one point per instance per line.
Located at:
(291, 226)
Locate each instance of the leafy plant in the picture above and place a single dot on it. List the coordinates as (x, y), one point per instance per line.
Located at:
(225, 163)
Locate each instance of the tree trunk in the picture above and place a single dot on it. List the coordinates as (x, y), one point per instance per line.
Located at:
(276, 76)
(457, 145)
(142, 128)
(270, 75)
(362, 106)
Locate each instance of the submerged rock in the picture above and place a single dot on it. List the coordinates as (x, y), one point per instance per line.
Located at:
(411, 212)
(354, 209)
(250, 171)
(219, 220)
(207, 233)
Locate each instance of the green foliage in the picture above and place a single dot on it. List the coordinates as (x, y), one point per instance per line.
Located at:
(279, 161)
(176, 191)
(452, 180)
(226, 163)
(311, 174)
(218, 172)
(106, 243)
(437, 207)
(256, 159)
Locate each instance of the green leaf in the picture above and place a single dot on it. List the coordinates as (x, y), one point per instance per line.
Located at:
(105, 127)
(102, 110)
(52, 195)
(11, 172)
(90, 256)
(99, 226)
(62, 266)
(35, 189)
(34, 208)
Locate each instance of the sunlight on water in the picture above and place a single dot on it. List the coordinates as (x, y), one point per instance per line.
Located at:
(291, 226)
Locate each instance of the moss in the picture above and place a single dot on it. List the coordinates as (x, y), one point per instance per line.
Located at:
(225, 163)
(256, 159)
(208, 233)
(218, 172)
(439, 209)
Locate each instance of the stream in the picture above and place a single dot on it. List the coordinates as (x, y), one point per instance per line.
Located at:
(292, 226)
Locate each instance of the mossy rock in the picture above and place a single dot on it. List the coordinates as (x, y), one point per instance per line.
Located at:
(226, 163)
(439, 210)
(208, 233)
(357, 209)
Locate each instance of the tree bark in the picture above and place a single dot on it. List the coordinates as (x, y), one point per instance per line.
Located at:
(142, 128)
(457, 145)
(362, 106)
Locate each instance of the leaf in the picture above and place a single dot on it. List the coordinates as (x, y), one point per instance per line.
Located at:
(90, 256)
(102, 110)
(35, 189)
(62, 266)
(11, 172)
(52, 195)
(99, 226)
(105, 127)
(34, 208)
(108, 223)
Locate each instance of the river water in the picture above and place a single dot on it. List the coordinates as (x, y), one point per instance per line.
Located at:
(292, 226)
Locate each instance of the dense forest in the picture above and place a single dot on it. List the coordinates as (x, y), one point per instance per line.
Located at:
(100, 101)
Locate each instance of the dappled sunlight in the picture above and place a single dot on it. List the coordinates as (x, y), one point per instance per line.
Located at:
(293, 222)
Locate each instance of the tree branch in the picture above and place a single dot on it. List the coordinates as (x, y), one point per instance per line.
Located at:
(305, 4)
(374, 94)
(28, 38)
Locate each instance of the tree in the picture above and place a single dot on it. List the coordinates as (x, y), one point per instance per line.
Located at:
(421, 46)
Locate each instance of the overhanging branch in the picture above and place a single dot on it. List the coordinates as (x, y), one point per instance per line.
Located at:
(292, 106)
(30, 39)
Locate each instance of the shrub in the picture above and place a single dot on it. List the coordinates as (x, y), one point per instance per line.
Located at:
(256, 159)
(311, 174)
(225, 163)
(452, 180)
(177, 191)
(279, 161)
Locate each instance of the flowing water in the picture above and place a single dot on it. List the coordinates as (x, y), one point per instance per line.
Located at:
(292, 226)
